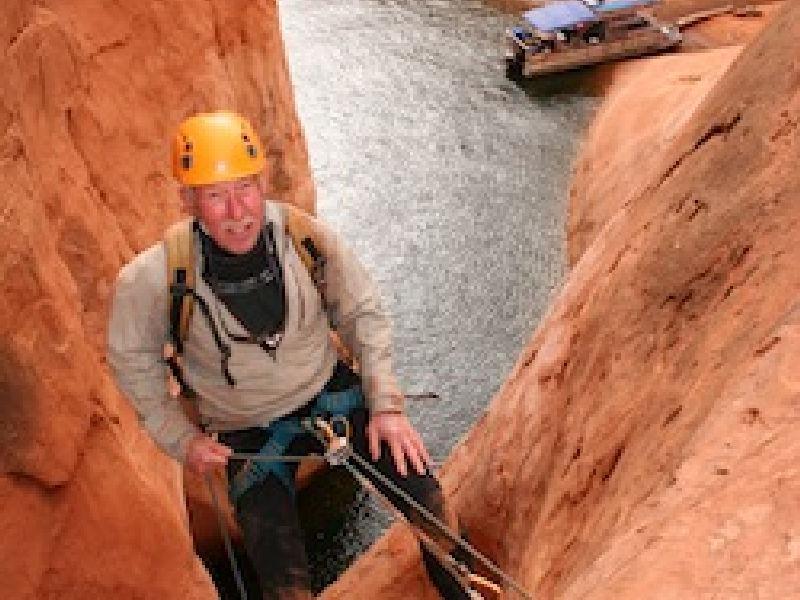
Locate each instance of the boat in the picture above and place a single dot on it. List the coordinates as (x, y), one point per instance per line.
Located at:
(569, 34)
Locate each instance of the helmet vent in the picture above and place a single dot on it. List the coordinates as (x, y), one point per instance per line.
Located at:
(251, 151)
(188, 147)
(186, 162)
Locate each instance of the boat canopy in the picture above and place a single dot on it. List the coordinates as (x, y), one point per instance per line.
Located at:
(560, 15)
(611, 5)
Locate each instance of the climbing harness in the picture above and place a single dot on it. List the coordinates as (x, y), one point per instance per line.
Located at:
(334, 434)
(332, 405)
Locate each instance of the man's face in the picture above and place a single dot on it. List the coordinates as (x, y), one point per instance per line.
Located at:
(232, 212)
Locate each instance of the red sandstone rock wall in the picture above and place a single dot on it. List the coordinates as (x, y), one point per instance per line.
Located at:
(648, 103)
(91, 92)
(645, 445)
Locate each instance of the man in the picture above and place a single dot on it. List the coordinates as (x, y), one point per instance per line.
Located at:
(259, 356)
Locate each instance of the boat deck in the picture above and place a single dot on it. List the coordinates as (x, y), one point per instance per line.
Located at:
(569, 34)
(644, 42)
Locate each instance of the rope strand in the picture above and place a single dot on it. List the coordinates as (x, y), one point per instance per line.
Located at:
(237, 575)
(460, 572)
(450, 564)
(433, 519)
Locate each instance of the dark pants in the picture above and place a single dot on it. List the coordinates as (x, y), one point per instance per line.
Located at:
(269, 521)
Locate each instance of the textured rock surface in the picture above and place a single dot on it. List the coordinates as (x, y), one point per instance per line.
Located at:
(730, 29)
(648, 103)
(91, 93)
(645, 444)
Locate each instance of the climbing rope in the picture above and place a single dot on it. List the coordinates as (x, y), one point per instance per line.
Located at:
(459, 572)
(237, 574)
(255, 456)
(340, 452)
(442, 527)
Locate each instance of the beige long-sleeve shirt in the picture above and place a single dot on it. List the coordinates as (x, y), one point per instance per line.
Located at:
(266, 388)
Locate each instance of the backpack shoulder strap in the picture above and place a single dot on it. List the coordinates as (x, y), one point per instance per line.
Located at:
(312, 248)
(308, 244)
(179, 245)
(300, 230)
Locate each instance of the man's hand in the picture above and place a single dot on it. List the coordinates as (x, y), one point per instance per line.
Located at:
(203, 454)
(403, 440)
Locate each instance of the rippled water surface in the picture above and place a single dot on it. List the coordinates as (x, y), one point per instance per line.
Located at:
(450, 182)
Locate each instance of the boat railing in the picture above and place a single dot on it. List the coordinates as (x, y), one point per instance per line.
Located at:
(636, 30)
(587, 54)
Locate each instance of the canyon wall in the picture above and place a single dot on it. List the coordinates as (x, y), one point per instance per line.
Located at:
(91, 94)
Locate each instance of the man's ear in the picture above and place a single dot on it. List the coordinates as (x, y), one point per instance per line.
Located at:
(187, 196)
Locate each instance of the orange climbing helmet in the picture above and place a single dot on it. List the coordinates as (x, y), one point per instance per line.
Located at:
(214, 147)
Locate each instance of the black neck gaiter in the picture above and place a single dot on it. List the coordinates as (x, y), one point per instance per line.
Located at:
(250, 285)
